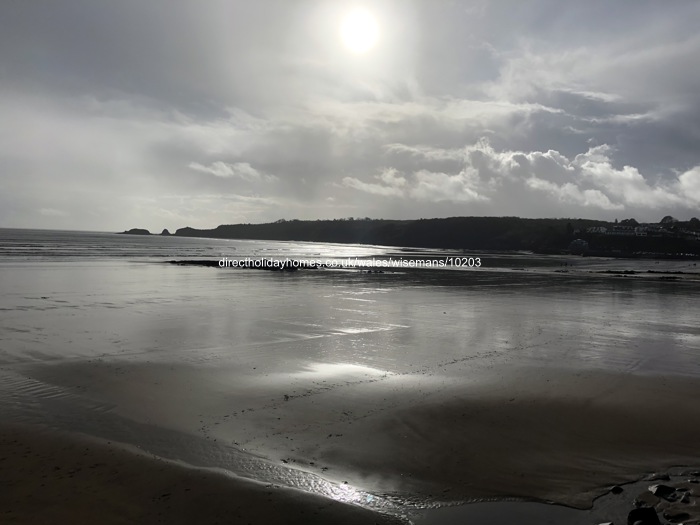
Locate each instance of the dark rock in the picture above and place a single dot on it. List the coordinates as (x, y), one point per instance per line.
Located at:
(258, 264)
(646, 499)
(136, 231)
(643, 516)
(165, 232)
(676, 516)
(664, 491)
(658, 477)
(617, 489)
(197, 262)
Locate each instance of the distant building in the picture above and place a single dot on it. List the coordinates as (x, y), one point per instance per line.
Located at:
(621, 230)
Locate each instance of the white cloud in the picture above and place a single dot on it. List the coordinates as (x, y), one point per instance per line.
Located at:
(240, 170)
(269, 109)
(438, 187)
(627, 185)
(689, 184)
(391, 177)
(373, 188)
(426, 152)
(423, 185)
(588, 180)
(571, 194)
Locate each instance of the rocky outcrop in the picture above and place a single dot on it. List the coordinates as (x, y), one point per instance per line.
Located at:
(136, 231)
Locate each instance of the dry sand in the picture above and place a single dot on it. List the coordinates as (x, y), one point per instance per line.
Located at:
(50, 477)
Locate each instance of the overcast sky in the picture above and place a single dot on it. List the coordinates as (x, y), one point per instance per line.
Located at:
(172, 113)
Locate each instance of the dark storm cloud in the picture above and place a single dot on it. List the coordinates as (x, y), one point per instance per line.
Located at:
(166, 113)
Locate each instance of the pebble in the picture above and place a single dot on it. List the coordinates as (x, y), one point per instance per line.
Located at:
(659, 477)
(664, 491)
(676, 516)
(646, 499)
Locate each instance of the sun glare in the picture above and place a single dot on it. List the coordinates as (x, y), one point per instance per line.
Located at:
(359, 31)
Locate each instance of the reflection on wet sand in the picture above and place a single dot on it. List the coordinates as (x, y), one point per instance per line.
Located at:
(431, 389)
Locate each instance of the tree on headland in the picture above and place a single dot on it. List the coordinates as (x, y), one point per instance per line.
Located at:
(474, 233)
(569, 230)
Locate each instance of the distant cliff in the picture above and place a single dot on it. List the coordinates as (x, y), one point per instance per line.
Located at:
(476, 233)
(628, 238)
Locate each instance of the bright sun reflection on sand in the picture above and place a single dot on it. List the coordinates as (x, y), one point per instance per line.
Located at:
(348, 494)
(341, 370)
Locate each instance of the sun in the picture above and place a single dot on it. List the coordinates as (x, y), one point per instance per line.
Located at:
(359, 30)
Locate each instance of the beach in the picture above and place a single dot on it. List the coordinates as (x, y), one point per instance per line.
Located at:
(562, 437)
(362, 397)
(50, 477)
(349, 262)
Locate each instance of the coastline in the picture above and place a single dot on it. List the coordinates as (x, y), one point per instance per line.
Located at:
(419, 388)
(542, 434)
(51, 476)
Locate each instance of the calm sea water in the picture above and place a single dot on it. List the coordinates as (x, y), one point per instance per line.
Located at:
(49, 245)
(73, 303)
(61, 291)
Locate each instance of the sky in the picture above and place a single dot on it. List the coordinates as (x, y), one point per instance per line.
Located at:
(173, 113)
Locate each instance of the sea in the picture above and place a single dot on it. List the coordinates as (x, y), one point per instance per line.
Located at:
(72, 302)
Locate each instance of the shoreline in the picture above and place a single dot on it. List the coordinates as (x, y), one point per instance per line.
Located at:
(413, 391)
(70, 478)
(530, 433)
(67, 477)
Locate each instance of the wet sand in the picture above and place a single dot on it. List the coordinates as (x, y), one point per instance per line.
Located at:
(51, 477)
(414, 389)
(559, 436)
(547, 434)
